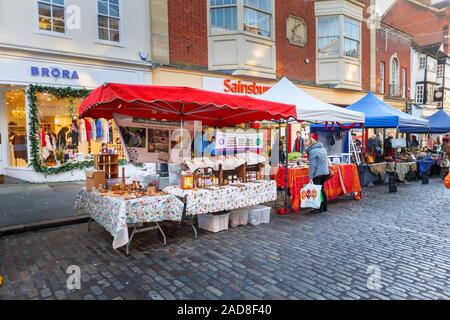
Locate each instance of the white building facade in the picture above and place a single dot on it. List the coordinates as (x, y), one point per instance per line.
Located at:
(63, 43)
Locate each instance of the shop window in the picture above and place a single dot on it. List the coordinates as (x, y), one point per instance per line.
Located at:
(17, 129)
(65, 138)
(52, 15)
(258, 17)
(109, 20)
(328, 36)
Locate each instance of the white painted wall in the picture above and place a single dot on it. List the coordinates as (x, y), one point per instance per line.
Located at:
(19, 28)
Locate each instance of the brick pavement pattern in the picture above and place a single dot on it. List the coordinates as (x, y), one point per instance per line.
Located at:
(326, 256)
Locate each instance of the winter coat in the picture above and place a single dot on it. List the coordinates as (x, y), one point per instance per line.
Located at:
(318, 160)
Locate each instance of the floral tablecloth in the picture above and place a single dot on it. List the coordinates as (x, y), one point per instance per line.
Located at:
(203, 201)
(114, 214)
(344, 181)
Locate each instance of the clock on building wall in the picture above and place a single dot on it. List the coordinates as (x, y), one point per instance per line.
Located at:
(438, 95)
(296, 31)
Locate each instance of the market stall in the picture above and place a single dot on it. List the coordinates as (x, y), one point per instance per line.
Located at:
(379, 114)
(345, 181)
(116, 213)
(204, 187)
(439, 124)
(313, 110)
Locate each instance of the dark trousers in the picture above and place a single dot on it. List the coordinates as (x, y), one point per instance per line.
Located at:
(320, 180)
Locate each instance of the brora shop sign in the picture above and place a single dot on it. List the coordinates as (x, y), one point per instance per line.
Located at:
(55, 73)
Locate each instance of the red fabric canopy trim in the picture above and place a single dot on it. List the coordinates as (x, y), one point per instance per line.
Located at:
(180, 103)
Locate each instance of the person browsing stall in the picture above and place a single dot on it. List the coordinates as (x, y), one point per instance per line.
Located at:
(318, 168)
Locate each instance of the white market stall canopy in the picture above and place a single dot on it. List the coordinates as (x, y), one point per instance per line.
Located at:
(310, 108)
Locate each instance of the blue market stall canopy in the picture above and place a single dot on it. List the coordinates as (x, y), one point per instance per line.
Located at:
(379, 114)
(439, 123)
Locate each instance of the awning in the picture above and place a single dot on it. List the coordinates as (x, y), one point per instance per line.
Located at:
(439, 123)
(309, 108)
(180, 104)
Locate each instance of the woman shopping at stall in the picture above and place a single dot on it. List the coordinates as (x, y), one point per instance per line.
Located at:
(319, 172)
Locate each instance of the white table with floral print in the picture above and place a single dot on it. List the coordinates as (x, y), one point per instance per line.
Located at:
(217, 199)
(115, 214)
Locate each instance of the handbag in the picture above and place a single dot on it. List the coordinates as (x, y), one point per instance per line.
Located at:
(311, 196)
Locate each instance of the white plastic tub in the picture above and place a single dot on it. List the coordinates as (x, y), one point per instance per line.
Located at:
(254, 218)
(262, 211)
(239, 217)
(213, 223)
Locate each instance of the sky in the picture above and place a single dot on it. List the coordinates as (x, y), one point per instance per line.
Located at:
(383, 5)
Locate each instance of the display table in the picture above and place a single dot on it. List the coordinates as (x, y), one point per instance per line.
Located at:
(344, 181)
(217, 199)
(425, 165)
(370, 173)
(401, 168)
(117, 214)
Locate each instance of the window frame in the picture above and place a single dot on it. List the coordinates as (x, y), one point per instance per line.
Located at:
(210, 7)
(240, 22)
(420, 101)
(259, 10)
(341, 37)
(440, 70)
(382, 77)
(344, 18)
(52, 33)
(121, 34)
(422, 66)
(404, 80)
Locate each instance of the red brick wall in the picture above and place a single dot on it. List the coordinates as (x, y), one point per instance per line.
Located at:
(290, 58)
(189, 43)
(365, 49)
(188, 37)
(385, 50)
(416, 19)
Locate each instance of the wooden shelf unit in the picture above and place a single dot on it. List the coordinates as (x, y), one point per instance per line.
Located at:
(109, 163)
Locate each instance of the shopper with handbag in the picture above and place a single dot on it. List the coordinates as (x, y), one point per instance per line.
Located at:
(319, 172)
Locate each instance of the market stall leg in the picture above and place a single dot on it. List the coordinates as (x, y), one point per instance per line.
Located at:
(139, 229)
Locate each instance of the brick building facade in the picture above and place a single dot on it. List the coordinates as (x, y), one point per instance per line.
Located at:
(188, 39)
(393, 50)
(426, 22)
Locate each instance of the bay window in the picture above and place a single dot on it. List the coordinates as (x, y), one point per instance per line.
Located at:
(223, 14)
(109, 20)
(52, 15)
(255, 16)
(328, 36)
(241, 37)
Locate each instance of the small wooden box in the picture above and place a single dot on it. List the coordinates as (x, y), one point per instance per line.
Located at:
(94, 178)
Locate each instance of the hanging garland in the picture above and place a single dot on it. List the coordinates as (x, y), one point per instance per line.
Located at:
(60, 93)
(34, 122)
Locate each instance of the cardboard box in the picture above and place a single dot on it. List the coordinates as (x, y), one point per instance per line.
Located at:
(94, 178)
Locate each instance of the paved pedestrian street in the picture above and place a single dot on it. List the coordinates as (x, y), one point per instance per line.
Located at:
(388, 246)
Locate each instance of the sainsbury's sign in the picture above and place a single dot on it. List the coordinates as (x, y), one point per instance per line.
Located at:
(244, 88)
(234, 86)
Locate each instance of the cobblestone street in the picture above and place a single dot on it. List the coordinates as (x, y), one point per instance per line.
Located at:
(406, 235)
